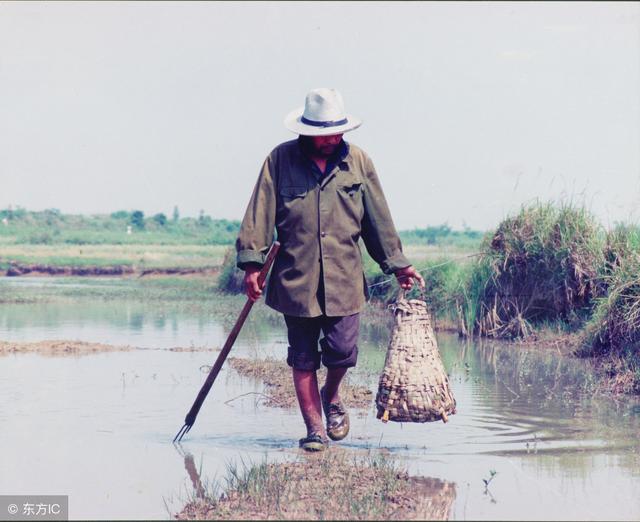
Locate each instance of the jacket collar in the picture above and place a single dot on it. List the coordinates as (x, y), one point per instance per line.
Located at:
(339, 158)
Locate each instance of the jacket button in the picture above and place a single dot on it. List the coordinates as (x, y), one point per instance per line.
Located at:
(323, 234)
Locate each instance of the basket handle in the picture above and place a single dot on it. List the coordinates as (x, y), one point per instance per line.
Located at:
(402, 292)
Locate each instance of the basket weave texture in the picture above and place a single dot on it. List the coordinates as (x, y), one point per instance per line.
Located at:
(414, 386)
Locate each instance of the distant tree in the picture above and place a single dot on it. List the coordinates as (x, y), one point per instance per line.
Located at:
(176, 214)
(7, 213)
(231, 226)
(204, 220)
(137, 219)
(160, 219)
(120, 214)
(51, 216)
(18, 213)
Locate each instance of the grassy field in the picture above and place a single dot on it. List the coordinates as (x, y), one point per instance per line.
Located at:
(140, 256)
(144, 256)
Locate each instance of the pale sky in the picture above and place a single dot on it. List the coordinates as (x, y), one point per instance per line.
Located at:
(469, 109)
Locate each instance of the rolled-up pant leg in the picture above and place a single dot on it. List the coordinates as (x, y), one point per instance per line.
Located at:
(340, 341)
(303, 334)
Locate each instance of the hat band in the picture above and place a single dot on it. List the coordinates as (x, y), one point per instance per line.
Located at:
(324, 123)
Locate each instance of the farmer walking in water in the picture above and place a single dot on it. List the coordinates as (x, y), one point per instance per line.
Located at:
(321, 195)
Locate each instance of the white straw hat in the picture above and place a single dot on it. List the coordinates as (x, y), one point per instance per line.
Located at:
(322, 115)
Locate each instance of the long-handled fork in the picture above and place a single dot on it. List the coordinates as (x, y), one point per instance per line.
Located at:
(213, 373)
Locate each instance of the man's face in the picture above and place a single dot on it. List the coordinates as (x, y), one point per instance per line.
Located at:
(325, 146)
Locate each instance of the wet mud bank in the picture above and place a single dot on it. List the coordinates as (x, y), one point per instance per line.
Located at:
(334, 485)
(59, 348)
(17, 270)
(205, 271)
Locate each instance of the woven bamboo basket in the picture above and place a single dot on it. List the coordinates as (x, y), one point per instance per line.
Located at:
(414, 386)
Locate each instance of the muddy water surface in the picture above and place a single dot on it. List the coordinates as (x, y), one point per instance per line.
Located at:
(99, 427)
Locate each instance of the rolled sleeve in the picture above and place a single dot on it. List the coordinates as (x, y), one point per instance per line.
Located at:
(378, 231)
(258, 225)
(246, 257)
(394, 262)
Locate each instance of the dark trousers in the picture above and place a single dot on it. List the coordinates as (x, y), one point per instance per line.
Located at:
(338, 347)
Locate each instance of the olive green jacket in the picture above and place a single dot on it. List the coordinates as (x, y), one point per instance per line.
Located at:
(319, 221)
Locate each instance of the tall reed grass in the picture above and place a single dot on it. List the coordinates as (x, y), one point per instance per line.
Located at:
(543, 264)
(613, 331)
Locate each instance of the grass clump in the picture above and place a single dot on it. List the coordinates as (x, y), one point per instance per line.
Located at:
(622, 243)
(613, 333)
(230, 280)
(444, 279)
(335, 485)
(540, 265)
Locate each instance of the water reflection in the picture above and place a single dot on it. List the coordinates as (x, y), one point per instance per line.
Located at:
(192, 472)
(434, 498)
(149, 325)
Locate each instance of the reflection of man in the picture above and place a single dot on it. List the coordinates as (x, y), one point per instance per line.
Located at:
(321, 194)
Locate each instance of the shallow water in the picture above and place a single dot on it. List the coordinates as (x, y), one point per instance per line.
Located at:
(99, 427)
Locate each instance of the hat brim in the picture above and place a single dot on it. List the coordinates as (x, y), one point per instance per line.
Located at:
(293, 122)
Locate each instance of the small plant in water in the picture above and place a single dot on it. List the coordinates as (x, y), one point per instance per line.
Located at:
(492, 474)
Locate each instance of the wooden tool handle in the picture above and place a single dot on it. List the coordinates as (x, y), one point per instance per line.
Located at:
(213, 373)
(273, 251)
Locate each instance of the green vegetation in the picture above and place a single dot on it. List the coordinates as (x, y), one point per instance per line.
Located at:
(555, 267)
(331, 486)
(230, 280)
(613, 332)
(442, 235)
(444, 281)
(622, 245)
(51, 227)
(544, 264)
(138, 256)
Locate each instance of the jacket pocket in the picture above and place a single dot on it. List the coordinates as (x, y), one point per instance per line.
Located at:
(350, 203)
(289, 193)
(351, 189)
(292, 206)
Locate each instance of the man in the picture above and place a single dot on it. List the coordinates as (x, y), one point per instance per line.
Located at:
(321, 195)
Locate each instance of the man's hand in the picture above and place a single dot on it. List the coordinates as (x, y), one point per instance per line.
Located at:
(406, 276)
(251, 287)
